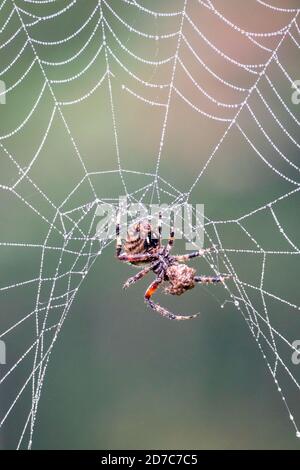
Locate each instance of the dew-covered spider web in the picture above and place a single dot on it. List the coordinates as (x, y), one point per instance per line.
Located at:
(166, 103)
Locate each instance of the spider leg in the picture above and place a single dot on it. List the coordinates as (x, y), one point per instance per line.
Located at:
(159, 227)
(193, 254)
(138, 276)
(149, 234)
(171, 239)
(161, 310)
(118, 237)
(212, 279)
(144, 257)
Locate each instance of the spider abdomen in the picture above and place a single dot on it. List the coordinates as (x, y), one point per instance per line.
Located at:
(139, 241)
(134, 247)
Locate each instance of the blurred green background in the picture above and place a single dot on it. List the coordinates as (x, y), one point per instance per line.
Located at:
(119, 376)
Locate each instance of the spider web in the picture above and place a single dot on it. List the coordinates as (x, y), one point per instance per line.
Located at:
(187, 61)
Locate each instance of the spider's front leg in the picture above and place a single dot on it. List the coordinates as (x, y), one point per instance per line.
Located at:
(161, 310)
(171, 239)
(144, 257)
(159, 227)
(193, 254)
(118, 237)
(212, 279)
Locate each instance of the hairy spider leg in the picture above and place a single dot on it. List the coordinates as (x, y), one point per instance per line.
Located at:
(194, 254)
(138, 276)
(171, 239)
(212, 279)
(118, 237)
(145, 257)
(161, 310)
(149, 234)
(159, 227)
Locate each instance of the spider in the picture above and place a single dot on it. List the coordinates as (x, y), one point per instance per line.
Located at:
(143, 248)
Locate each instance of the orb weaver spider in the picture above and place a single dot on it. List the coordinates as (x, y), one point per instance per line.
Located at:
(143, 247)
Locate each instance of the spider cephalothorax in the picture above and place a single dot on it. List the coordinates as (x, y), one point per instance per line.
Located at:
(144, 247)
